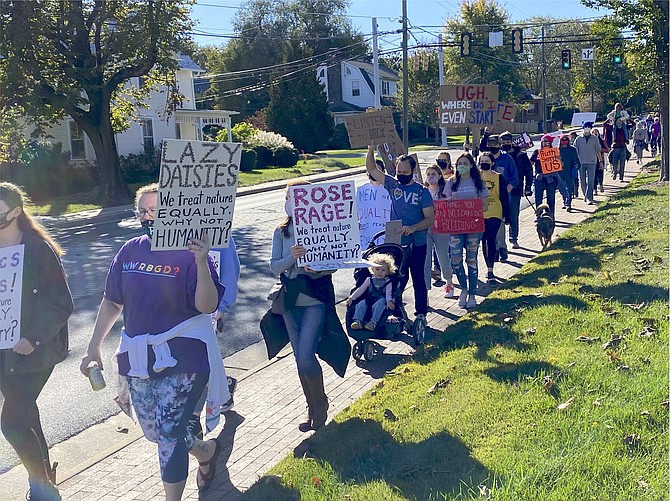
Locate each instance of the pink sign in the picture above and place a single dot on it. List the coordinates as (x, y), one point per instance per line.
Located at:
(458, 216)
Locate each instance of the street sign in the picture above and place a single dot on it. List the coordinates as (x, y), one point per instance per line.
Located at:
(587, 54)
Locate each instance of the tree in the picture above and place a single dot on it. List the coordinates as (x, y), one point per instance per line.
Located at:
(74, 57)
(487, 65)
(648, 19)
(298, 110)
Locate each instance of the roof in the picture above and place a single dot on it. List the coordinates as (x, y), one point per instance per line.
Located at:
(186, 63)
(384, 71)
(340, 106)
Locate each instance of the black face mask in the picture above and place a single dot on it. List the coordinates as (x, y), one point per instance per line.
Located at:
(443, 164)
(404, 178)
(495, 150)
(507, 147)
(148, 227)
(5, 222)
(485, 166)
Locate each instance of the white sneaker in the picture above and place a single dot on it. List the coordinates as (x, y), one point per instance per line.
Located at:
(471, 303)
(463, 298)
(449, 291)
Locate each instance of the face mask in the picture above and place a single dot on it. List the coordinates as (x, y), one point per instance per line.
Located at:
(443, 164)
(495, 150)
(485, 166)
(148, 227)
(287, 208)
(404, 178)
(463, 168)
(432, 178)
(5, 223)
(587, 131)
(507, 147)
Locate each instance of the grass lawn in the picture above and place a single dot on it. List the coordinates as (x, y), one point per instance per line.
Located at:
(555, 388)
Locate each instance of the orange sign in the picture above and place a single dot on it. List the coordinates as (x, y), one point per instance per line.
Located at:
(550, 160)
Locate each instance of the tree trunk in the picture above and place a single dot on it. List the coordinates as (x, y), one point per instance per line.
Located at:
(113, 189)
(665, 133)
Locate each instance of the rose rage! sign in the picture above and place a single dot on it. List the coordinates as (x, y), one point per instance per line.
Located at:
(197, 188)
(11, 285)
(468, 105)
(458, 216)
(375, 127)
(325, 223)
(550, 160)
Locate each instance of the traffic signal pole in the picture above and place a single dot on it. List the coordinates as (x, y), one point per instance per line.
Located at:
(405, 82)
(375, 65)
(544, 88)
(440, 65)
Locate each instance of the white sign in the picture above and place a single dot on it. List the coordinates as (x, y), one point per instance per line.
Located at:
(374, 210)
(495, 38)
(587, 54)
(325, 221)
(197, 188)
(11, 285)
(579, 118)
(216, 260)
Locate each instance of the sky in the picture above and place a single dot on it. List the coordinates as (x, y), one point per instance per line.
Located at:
(425, 16)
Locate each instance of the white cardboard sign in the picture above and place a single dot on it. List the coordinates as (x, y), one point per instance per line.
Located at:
(197, 188)
(11, 285)
(374, 211)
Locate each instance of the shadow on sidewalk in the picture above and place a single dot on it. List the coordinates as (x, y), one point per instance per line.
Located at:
(226, 438)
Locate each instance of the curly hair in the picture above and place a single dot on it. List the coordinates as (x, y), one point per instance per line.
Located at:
(386, 259)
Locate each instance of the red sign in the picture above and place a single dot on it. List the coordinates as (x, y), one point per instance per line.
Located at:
(458, 216)
(550, 160)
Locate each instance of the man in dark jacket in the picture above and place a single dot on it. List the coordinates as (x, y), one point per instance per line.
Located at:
(525, 172)
(571, 164)
(505, 166)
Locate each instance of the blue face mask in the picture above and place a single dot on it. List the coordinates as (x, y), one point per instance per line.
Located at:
(148, 227)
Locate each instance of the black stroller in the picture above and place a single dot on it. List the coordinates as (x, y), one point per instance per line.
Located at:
(392, 323)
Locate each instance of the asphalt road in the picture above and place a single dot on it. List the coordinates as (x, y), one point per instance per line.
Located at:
(67, 403)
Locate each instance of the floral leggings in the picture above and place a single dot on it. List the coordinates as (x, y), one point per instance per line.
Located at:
(163, 407)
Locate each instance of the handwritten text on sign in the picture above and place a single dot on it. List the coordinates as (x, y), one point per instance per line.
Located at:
(468, 104)
(458, 216)
(325, 221)
(375, 127)
(550, 160)
(197, 187)
(11, 284)
(374, 211)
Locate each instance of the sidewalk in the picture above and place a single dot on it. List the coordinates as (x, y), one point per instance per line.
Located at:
(269, 403)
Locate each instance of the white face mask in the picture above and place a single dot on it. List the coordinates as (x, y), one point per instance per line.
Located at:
(587, 130)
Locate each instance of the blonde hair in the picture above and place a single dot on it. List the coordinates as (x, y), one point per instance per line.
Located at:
(147, 188)
(386, 259)
(287, 220)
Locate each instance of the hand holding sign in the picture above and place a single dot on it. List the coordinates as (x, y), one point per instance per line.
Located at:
(550, 160)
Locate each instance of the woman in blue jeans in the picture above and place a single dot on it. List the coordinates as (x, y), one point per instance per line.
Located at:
(307, 295)
(466, 184)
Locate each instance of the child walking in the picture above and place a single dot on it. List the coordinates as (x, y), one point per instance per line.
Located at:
(378, 290)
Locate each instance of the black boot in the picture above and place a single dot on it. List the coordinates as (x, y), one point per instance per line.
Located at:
(318, 406)
(306, 423)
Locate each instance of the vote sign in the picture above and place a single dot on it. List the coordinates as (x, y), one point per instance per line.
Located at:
(458, 216)
(550, 160)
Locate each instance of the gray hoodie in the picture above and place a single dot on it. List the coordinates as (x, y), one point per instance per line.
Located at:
(588, 149)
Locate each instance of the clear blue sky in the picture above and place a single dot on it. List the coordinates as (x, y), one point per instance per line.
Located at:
(425, 16)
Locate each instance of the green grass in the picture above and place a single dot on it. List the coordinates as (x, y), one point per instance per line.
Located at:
(492, 422)
(302, 168)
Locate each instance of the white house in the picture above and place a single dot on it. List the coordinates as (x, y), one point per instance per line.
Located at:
(153, 126)
(350, 87)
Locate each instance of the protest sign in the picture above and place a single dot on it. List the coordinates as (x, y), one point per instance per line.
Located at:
(586, 116)
(11, 285)
(550, 160)
(389, 151)
(523, 141)
(458, 216)
(393, 232)
(505, 113)
(325, 223)
(374, 127)
(374, 210)
(468, 105)
(197, 188)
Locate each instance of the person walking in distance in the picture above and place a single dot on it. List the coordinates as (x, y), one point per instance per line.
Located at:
(168, 351)
(525, 174)
(588, 151)
(46, 305)
(617, 138)
(571, 165)
(412, 204)
(640, 140)
(498, 209)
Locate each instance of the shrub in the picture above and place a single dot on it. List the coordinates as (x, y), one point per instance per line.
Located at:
(140, 167)
(248, 161)
(285, 157)
(263, 157)
(270, 140)
(340, 139)
(241, 132)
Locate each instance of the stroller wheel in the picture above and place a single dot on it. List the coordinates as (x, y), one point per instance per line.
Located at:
(357, 351)
(419, 331)
(368, 351)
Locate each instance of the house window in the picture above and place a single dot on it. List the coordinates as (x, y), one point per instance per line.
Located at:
(348, 71)
(355, 87)
(532, 108)
(148, 134)
(177, 131)
(386, 88)
(77, 149)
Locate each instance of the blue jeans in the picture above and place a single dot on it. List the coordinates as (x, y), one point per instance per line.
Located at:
(618, 162)
(305, 325)
(471, 243)
(587, 177)
(439, 243)
(378, 308)
(568, 181)
(542, 186)
(514, 206)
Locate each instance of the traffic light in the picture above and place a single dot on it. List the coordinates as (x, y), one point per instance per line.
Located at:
(466, 48)
(566, 62)
(517, 41)
(425, 60)
(617, 59)
(416, 60)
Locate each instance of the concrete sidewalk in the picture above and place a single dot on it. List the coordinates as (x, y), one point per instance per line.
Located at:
(262, 429)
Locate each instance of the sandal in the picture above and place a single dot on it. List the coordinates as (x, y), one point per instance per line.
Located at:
(204, 480)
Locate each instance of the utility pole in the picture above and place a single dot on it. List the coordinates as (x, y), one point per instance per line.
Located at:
(591, 68)
(544, 88)
(440, 64)
(405, 82)
(375, 65)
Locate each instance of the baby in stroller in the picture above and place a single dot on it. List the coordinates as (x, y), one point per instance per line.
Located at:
(378, 291)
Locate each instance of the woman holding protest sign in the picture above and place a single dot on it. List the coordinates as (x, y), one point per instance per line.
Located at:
(46, 305)
(168, 351)
(546, 179)
(467, 184)
(306, 302)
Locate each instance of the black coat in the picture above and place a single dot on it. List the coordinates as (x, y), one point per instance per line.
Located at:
(46, 305)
